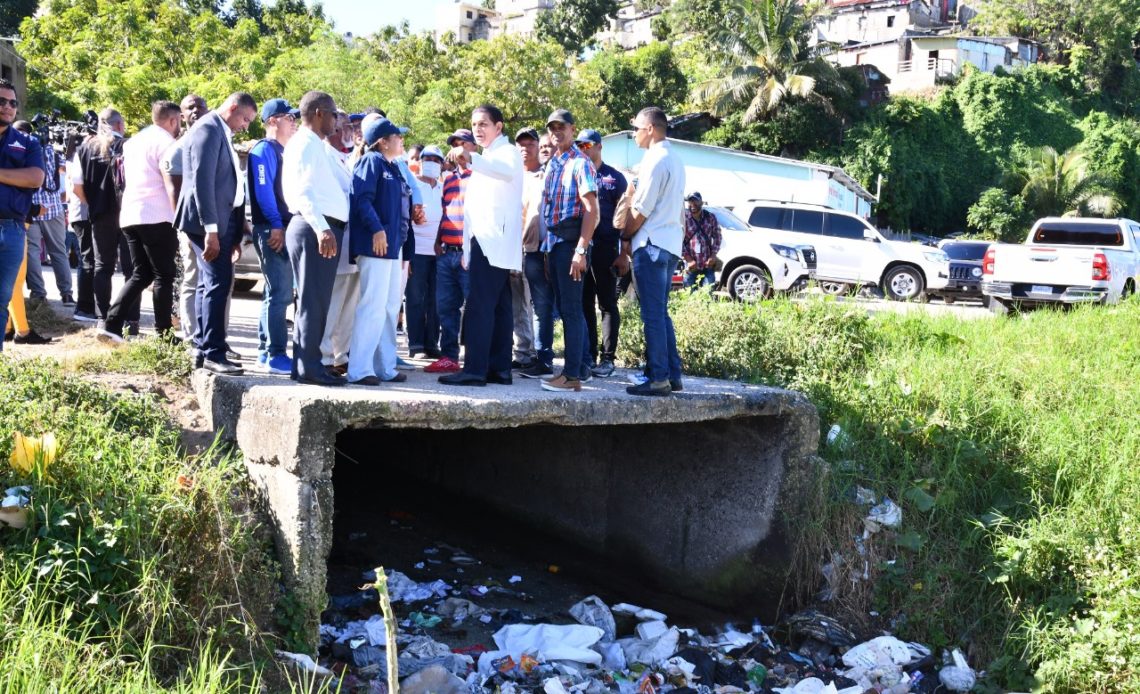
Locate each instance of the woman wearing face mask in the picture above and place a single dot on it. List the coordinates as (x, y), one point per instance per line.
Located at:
(420, 310)
(380, 221)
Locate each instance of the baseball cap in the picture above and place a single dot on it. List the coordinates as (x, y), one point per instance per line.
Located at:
(589, 135)
(274, 107)
(561, 115)
(381, 127)
(694, 196)
(355, 117)
(462, 135)
(526, 132)
(431, 151)
(295, 112)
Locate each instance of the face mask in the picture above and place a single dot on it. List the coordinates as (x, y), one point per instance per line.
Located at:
(430, 169)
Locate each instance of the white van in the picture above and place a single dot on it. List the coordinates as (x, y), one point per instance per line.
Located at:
(849, 250)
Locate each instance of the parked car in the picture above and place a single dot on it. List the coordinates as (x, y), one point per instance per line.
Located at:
(753, 266)
(849, 251)
(965, 270)
(247, 270)
(1064, 260)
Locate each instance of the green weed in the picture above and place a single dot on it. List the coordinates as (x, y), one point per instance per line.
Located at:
(1011, 446)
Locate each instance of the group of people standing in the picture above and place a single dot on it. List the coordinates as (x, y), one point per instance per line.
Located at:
(485, 240)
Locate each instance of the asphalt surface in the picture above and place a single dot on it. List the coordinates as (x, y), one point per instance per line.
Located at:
(245, 307)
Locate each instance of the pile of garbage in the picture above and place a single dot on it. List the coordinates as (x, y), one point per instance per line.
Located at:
(622, 648)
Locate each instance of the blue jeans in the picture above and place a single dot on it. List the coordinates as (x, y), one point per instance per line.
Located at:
(422, 315)
(12, 240)
(568, 294)
(542, 296)
(272, 332)
(704, 278)
(654, 279)
(451, 285)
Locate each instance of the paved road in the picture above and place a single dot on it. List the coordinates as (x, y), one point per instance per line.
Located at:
(246, 305)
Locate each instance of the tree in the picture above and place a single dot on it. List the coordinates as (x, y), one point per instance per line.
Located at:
(999, 216)
(12, 12)
(573, 23)
(1099, 36)
(629, 81)
(1053, 184)
(765, 58)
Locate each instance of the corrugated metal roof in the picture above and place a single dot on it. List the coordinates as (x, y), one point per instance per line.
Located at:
(834, 171)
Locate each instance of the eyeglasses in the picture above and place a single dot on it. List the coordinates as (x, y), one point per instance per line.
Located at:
(636, 129)
(585, 145)
(14, 103)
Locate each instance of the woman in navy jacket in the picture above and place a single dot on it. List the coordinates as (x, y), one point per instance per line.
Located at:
(379, 224)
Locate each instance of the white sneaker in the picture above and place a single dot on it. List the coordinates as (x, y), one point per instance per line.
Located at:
(108, 337)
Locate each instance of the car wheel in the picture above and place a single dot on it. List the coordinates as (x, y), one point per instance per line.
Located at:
(834, 288)
(749, 283)
(999, 307)
(1129, 290)
(947, 299)
(244, 285)
(904, 283)
(986, 302)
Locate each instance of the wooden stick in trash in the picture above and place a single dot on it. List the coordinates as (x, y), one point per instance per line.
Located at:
(389, 630)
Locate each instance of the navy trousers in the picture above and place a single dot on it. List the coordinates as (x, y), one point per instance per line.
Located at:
(314, 276)
(488, 322)
(214, 280)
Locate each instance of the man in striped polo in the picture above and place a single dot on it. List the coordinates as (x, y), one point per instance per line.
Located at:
(451, 282)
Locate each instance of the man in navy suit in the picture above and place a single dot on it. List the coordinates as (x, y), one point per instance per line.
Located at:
(211, 213)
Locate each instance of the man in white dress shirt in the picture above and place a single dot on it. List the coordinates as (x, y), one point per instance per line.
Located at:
(315, 183)
(653, 237)
(492, 239)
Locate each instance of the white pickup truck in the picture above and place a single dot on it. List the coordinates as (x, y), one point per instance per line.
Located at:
(1065, 260)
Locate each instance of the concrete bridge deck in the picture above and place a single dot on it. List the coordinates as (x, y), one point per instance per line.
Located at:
(698, 488)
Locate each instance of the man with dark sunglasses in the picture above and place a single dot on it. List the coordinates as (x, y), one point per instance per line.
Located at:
(21, 174)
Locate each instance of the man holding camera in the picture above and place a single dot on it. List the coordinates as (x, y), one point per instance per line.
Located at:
(21, 174)
(48, 232)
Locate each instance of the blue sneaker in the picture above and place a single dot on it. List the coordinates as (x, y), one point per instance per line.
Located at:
(279, 365)
(404, 365)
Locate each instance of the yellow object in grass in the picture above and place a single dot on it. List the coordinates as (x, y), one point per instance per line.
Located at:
(34, 453)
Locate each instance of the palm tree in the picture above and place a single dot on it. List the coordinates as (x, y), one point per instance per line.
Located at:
(1055, 184)
(766, 57)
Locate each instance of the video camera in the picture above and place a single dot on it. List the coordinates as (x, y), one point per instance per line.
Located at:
(63, 136)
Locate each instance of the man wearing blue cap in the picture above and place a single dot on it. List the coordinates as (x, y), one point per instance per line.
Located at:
(270, 216)
(601, 279)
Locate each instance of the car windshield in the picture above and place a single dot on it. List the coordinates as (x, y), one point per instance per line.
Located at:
(965, 251)
(1062, 234)
(727, 220)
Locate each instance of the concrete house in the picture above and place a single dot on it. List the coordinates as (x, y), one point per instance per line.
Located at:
(13, 68)
(917, 61)
(726, 176)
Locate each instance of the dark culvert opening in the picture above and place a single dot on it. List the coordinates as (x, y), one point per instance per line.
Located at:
(606, 506)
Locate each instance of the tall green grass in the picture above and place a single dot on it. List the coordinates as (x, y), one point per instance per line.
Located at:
(1012, 446)
(142, 571)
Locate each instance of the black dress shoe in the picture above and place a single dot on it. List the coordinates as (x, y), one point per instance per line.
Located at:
(222, 368)
(676, 386)
(503, 379)
(398, 378)
(322, 380)
(460, 378)
(199, 360)
(366, 381)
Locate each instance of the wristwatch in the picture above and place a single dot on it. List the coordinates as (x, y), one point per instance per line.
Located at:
(578, 250)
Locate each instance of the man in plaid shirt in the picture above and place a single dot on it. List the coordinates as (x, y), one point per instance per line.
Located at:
(701, 243)
(48, 234)
(570, 211)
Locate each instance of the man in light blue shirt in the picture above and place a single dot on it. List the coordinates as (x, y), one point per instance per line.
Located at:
(653, 237)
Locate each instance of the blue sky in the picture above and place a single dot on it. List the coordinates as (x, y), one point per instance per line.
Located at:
(362, 17)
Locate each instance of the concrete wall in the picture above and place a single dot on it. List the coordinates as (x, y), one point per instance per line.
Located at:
(700, 489)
